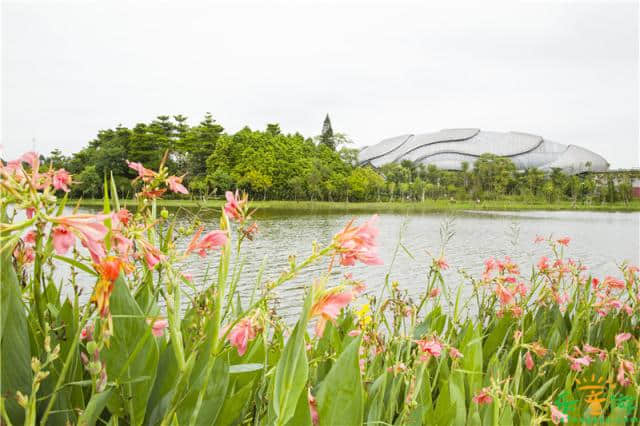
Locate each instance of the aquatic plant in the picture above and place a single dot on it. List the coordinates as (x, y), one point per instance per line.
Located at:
(111, 344)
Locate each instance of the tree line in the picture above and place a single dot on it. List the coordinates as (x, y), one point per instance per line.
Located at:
(269, 164)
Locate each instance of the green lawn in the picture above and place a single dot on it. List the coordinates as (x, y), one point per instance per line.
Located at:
(363, 207)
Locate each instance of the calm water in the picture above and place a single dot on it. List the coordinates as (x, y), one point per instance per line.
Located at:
(600, 240)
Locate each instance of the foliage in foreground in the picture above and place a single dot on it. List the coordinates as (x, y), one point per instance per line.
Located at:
(516, 351)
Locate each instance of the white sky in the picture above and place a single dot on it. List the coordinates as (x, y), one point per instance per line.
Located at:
(566, 70)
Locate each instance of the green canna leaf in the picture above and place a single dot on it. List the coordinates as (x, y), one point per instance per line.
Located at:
(292, 369)
(234, 406)
(132, 354)
(213, 399)
(340, 395)
(94, 408)
(15, 353)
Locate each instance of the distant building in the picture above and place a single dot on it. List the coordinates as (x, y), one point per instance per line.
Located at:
(449, 148)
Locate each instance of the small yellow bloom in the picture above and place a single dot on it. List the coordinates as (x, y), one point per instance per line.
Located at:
(363, 314)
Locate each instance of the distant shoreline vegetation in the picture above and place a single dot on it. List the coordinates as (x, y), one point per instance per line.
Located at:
(382, 207)
(270, 165)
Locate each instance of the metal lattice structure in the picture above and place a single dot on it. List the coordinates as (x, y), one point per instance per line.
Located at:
(449, 148)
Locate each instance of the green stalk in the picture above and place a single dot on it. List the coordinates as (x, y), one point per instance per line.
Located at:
(37, 273)
(65, 367)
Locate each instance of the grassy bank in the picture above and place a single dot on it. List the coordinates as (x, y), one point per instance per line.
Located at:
(417, 207)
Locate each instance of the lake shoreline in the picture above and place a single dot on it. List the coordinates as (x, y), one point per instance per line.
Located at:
(381, 207)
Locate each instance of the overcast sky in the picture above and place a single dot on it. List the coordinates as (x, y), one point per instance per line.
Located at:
(566, 70)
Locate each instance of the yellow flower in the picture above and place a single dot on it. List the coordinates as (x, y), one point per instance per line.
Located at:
(363, 315)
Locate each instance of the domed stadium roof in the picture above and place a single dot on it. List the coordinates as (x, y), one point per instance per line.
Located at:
(449, 148)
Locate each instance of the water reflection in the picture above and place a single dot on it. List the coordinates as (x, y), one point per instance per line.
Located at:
(598, 239)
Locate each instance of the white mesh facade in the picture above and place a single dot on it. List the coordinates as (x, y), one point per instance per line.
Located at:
(449, 148)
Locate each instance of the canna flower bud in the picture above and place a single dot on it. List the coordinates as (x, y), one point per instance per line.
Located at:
(35, 364)
(22, 400)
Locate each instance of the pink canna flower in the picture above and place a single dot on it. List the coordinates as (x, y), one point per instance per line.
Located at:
(89, 226)
(30, 237)
(435, 292)
(327, 307)
(187, 276)
(313, 408)
(30, 211)
(175, 184)
(122, 244)
(145, 174)
(489, 265)
(441, 263)
(241, 334)
(624, 368)
(538, 239)
(455, 353)
(483, 397)
(564, 241)
(152, 255)
(593, 350)
(621, 338)
(32, 159)
(558, 416)
(430, 347)
(354, 333)
(578, 363)
(528, 361)
(158, 327)
(120, 219)
(543, 264)
(87, 332)
(212, 240)
(24, 254)
(62, 238)
(522, 289)
(62, 180)
(614, 283)
(234, 208)
(505, 296)
(358, 243)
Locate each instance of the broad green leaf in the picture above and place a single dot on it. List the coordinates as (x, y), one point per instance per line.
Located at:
(445, 408)
(163, 388)
(132, 354)
(94, 408)
(497, 337)
(234, 406)
(15, 357)
(377, 391)
(457, 392)
(340, 395)
(302, 415)
(292, 369)
(471, 348)
(213, 397)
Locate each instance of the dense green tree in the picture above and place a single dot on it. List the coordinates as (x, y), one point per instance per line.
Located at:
(326, 137)
(272, 165)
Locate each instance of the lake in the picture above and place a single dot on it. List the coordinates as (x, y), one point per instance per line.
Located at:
(599, 239)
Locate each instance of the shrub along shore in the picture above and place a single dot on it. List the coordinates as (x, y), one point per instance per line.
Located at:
(380, 207)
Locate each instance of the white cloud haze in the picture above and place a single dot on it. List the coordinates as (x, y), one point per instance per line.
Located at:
(567, 71)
